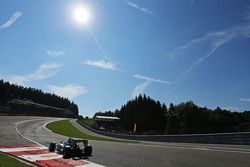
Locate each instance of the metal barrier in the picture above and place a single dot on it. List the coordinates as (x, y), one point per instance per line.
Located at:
(241, 138)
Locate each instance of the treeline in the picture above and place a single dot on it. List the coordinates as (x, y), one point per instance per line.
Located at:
(9, 92)
(190, 118)
(151, 116)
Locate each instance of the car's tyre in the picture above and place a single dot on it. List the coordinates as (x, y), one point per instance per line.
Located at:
(66, 153)
(88, 150)
(52, 147)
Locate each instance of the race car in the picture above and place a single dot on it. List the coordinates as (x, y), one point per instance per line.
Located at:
(72, 148)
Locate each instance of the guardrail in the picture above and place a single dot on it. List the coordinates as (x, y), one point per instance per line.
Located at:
(241, 138)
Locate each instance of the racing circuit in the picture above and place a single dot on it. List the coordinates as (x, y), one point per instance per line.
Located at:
(24, 130)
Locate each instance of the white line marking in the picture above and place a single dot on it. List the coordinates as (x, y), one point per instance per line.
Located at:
(214, 149)
(90, 164)
(17, 123)
(8, 150)
(208, 146)
(34, 158)
(201, 148)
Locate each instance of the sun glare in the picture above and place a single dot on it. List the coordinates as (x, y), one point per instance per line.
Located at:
(81, 15)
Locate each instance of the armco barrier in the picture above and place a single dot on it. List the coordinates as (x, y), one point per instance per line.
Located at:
(242, 138)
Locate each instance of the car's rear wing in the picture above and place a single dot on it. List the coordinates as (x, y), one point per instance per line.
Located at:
(82, 141)
(77, 141)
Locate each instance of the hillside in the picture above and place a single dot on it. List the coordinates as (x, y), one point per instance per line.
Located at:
(34, 101)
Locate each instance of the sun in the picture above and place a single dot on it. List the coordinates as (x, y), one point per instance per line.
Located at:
(81, 15)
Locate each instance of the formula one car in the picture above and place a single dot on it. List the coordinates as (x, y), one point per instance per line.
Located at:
(72, 148)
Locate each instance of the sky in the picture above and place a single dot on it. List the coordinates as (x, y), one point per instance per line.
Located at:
(170, 50)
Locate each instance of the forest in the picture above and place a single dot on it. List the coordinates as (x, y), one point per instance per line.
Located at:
(152, 117)
(9, 92)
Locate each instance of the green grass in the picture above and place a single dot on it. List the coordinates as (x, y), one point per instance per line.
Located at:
(64, 127)
(88, 122)
(6, 160)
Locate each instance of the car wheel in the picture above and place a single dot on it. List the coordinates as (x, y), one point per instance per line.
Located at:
(52, 147)
(88, 150)
(66, 153)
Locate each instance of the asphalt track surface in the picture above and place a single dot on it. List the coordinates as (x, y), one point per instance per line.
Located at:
(141, 154)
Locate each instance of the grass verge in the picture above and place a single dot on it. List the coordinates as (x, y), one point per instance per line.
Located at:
(64, 127)
(89, 122)
(6, 160)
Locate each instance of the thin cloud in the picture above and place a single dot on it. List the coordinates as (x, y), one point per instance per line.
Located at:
(98, 43)
(246, 15)
(70, 91)
(139, 89)
(245, 100)
(55, 53)
(11, 20)
(101, 64)
(145, 10)
(191, 3)
(44, 71)
(150, 79)
(211, 41)
(230, 108)
(215, 40)
(17, 79)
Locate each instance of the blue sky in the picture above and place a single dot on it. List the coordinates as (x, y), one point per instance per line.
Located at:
(173, 51)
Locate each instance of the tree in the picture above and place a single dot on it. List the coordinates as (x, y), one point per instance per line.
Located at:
(11, 91)
(148, 114)
(182, 118)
